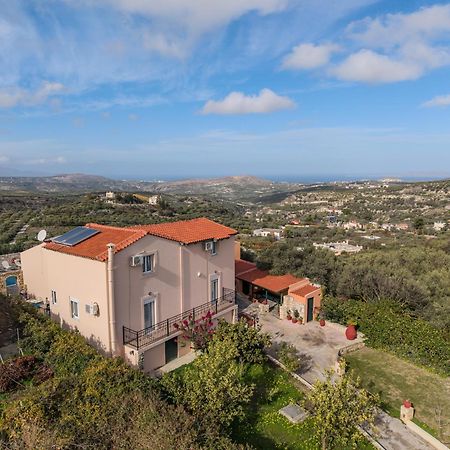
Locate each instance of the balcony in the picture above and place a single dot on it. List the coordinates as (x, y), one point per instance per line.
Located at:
(167, 328)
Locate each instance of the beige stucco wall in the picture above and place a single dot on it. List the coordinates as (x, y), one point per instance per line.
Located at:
(181, 281)
(71, 277)
(173, 293)
(155, 357)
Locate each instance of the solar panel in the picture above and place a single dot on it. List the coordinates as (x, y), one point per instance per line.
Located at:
(75, 236)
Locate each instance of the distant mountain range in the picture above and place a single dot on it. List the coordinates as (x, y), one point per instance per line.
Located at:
(235, 188)
(242, 187)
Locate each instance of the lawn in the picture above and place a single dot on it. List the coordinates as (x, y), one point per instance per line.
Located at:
(396, 380)
(264, 428)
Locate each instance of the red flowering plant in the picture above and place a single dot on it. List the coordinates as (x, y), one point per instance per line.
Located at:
(199, 332)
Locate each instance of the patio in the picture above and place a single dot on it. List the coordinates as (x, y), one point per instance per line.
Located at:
(317, 346)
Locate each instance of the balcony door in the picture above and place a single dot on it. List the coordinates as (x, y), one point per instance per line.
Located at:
(149, 312)
(214, 288)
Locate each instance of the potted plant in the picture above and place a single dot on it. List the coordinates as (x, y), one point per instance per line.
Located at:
(296, 316)
(300, 320)
(351, 332)
(288, 315)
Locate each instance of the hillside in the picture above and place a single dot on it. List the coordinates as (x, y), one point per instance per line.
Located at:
(243, 188)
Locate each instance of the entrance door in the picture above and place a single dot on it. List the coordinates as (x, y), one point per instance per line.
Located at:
(214, 289)
(310, 309)
(171, 350)
(149, 313)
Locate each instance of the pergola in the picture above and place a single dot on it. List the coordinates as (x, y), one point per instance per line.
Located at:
(263, 285)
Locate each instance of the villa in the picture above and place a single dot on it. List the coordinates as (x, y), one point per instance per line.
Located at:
(126, 290)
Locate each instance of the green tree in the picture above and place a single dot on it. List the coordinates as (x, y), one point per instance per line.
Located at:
(419, 224)
(339, 408)
(213, 388)
(249, 341)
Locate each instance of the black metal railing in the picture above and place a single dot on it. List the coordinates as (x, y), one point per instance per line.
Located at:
(160, 330)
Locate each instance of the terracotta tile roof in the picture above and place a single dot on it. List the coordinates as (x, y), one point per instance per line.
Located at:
(186, 232)
(241, 266)
(273, 283)
(95, 247)
(189, 231)
(305, 290)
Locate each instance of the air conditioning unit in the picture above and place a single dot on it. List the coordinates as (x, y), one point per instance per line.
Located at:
(136, 261)
(92, 309)
(208, 246)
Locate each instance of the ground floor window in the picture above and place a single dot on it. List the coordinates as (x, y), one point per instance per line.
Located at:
(74, 308)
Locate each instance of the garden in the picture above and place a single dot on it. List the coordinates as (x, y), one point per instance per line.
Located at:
(395, 379)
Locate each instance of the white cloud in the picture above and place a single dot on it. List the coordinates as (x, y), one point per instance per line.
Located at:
(239, 103)
(440, 100)
(10, 97)
(370, 67)
(309, 56)
(197, 16)
(385, 49)
(428, 23)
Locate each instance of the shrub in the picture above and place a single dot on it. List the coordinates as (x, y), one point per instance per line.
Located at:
(287, 355)
(13, 371)
(388, 328)
(69, 354)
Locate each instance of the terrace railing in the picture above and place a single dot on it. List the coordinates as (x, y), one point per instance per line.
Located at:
(168, 327)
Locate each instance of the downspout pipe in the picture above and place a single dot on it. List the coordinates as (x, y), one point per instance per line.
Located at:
(181, 278)
(111, 301)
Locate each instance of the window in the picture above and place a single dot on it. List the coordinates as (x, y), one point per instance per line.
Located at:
(53, 297)
(213, 247)
(148, 263)
(74, 310)
(214, 289)
(149, 313)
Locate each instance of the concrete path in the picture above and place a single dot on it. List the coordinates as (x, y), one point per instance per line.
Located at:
(318, 347)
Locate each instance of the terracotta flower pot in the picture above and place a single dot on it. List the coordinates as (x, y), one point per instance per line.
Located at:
(351, 332)
(322, 322)
(288, 318)
(294, 320)
(407, 404)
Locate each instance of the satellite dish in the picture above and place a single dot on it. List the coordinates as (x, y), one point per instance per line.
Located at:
(5, 264)
(41, 236)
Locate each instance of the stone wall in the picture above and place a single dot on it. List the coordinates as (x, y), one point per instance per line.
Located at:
(9, 273)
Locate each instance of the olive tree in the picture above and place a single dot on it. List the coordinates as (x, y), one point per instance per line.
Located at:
(339, 407)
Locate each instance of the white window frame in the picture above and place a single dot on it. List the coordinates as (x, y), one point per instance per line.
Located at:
(212, 278)
(77, 302)
(150, 299)
(53, 297)
(214, 248)
(152, 257)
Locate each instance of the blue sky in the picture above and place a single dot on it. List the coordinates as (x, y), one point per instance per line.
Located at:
(304, 89)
